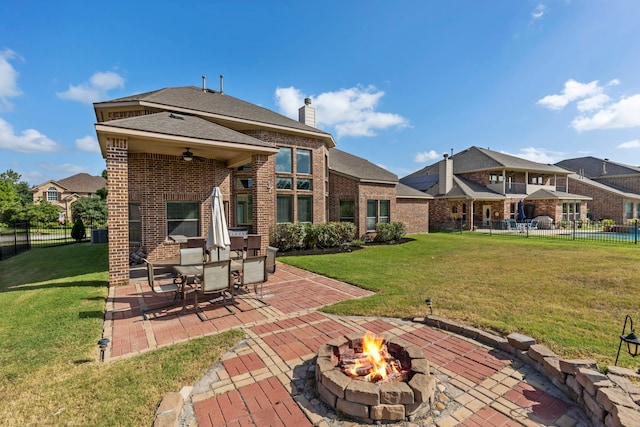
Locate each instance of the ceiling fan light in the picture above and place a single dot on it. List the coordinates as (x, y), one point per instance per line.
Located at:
(187, 156)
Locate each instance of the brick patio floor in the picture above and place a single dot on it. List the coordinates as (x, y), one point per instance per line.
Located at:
(261, 382)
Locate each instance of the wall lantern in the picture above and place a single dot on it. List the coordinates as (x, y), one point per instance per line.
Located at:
(631, 339)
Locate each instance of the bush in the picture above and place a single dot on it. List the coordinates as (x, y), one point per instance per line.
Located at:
(296, 236)
(78, 232)
(389, 232)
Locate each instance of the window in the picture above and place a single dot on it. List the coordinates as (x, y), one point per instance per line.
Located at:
(384, 211)
(303, 184)
(305, 209)
(372, 214)
(183, 218)
(347, 210)
(464, 212)
(284, 208)
(284, 183)
(135, 222)
(628, 211)
(244, 183)
(303, 161)
(512, 211)
(52, 194)
(244, 209)
(283, 160)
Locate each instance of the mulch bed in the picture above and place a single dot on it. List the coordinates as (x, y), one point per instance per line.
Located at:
(336, 250)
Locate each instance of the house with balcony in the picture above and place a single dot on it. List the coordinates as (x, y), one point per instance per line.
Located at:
(614, 187)
(167, 149)
(63, 192)
(481, 187)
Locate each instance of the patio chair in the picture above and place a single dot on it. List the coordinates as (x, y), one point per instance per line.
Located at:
(215, 281)
(254, 272)
(237, 246)
(254, 244)
(191, 256)
(167, 285)
(271, 259)
(533, 225)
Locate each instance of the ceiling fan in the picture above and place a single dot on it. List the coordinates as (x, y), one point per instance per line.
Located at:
(188, 156)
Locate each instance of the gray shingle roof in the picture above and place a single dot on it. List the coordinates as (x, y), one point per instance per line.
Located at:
(593, 168)
(544, 194)
(186, 126)
(476, 159)
(406, 192)
(194, 98)
(359, 168)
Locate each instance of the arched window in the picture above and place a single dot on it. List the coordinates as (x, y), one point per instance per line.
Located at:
(52, 194)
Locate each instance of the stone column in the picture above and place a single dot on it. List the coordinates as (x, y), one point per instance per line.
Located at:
(118, 208)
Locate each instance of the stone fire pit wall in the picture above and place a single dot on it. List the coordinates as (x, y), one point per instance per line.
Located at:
(371, 402)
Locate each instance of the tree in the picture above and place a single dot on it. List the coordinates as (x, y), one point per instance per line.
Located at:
(78, 231)
(15, 196)
(92, 210)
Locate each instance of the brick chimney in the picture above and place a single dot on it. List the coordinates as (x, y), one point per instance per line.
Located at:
(445, 184)
(307, 113)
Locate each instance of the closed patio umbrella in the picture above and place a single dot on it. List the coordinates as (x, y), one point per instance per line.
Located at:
(521, 214)
(218, 236)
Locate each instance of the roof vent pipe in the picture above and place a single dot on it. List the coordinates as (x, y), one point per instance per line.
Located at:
(221, 84)
(204, 83)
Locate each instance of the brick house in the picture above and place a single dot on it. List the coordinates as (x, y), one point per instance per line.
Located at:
(479, 187)
(165, 151)
(64, 192)
(614, 187)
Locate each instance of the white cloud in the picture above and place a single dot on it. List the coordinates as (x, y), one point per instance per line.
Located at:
(95, 89)
(630, 144)
(622, 114)
(426, 156)
(30, 141)
(88, 144)
(8, 79)
(593, 103)
(539, 155)
(351, 112)
(538, 12)
(64, 169)
(572, 91)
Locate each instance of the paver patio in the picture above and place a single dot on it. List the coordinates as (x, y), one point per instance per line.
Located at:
(262, 382)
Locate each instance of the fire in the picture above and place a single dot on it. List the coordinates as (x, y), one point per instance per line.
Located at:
(374, 363)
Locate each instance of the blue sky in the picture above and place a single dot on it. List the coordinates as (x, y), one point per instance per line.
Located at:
(398, 83)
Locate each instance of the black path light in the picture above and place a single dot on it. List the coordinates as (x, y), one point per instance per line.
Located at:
(429, 302)
(632, 341)
(103, 343)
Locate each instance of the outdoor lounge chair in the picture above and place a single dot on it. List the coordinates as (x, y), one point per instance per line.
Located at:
(533, 225)
(167, 285)
(215, 281)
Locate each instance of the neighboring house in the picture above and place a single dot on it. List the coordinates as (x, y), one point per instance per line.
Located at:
(480, 186)
(166, 150)
(614, 187)
(64, 192)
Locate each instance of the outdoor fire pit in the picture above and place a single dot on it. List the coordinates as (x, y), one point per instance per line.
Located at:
(374, 379)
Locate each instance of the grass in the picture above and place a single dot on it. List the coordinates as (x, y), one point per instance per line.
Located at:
(52, 304)
(572, 296)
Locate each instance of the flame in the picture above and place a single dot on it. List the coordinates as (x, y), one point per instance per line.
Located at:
(376, 357)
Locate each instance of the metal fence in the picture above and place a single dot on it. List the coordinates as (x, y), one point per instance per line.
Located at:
(25, 235)
(571, 230)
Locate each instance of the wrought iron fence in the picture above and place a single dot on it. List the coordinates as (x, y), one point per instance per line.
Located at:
(25, 235)
(568, 230)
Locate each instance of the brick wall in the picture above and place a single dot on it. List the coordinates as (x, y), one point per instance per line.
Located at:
(628, 183)
(414, 213)
(118, 208)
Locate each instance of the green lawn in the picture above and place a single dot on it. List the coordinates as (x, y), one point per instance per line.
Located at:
(51, 311)
(572, 296)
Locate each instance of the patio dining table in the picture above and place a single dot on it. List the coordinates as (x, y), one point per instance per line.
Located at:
(193, 272)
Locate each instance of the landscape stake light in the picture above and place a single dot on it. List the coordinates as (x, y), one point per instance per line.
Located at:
(632, 341)
(429, 302)
(103, 343)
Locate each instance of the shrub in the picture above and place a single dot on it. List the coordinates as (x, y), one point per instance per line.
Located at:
(78, 232)
(389, 232)
(294, 236)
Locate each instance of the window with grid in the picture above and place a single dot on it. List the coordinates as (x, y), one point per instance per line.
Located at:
(52, 194)
(183, 218)
(135, 222)
(284, 208)
(244, 209)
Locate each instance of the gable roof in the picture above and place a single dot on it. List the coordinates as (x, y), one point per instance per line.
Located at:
(593, 167)
(79, 183)
(228, 110)
(356, 167)
(544, 194)
(406, 192)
